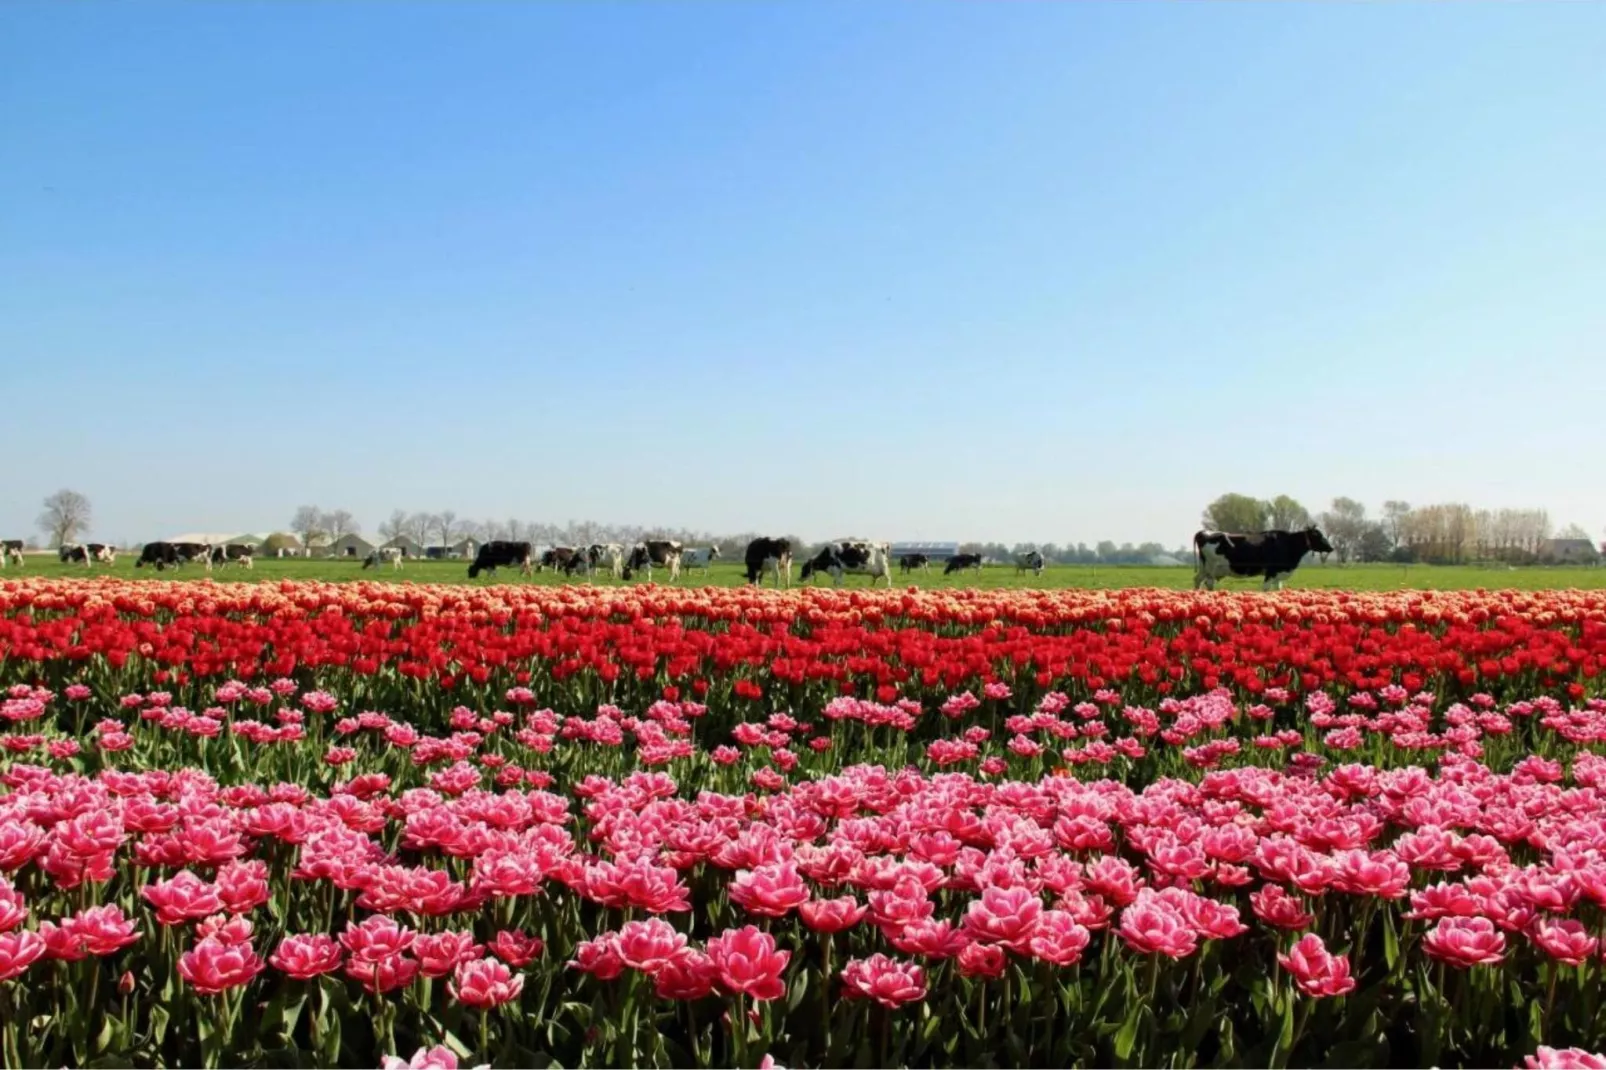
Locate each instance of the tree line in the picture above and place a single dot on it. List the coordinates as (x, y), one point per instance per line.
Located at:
(1442, 533)
(1451, 533)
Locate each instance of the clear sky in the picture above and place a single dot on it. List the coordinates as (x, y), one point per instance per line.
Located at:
(1026, 272)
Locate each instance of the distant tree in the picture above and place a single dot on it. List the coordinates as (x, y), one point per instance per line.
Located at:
(339, 522)
(1288, 515)
(419, 526)
(1236, 512)
(1373, 544)
(276, 542)
(1343, 524)
(394, 527)
(66, 515)
(1395, 516)
(445, 523)
(308, 523)
(1572, 531)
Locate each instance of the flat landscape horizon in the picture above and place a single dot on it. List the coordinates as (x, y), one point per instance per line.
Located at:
(1351, 577)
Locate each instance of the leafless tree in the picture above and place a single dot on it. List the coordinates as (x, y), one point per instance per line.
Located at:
(444, 521)
(308, 524)
(394, 527)
(340, 522)
(66, 515)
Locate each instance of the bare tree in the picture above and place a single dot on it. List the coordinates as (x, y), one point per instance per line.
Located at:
(444, 521)
(1394, 515)
(66, 515)
(419, 525)
(308, 523)
(340, 522)
(395, 527)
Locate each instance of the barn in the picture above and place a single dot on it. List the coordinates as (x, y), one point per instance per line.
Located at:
(937, 551)
(350, 545)
(409, 547)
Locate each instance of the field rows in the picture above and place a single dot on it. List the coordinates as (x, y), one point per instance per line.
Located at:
(298, 824)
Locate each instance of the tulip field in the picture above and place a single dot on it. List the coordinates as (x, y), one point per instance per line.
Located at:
(373, 824)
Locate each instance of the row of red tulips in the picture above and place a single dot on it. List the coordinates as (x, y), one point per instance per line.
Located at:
(624, 645)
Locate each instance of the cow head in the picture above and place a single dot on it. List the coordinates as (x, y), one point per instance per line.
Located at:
(1316, 542)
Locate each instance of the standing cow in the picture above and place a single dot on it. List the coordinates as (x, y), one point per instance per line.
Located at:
(960, 562)
(1030, 561)
(769, 555)
(608, 555)
(699, 557)
(837, 559)
(1272, 554)
(915, 563)
(11, 551)
(385, 555)
(660, 553)
(498, 554)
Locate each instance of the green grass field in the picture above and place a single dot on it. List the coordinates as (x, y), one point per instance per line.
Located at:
(1353, 577)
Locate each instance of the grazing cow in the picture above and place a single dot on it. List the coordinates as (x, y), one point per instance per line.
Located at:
(1272, 554)
(915, 563)
(193, 551)
(75, 552)
(11, 551)
(873, 559)
(700, 557)
(497, 554)
(609, 555)
(1031, 561)
(385, 555)
(241, 553)
(772, 555)
(160, 554)
(579, 560)
(960, 562)
(556, 559)
(665, 553)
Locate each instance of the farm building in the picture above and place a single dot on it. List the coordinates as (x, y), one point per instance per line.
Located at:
(213, 538)
(463, 548)
(351, 545)
(937, 551)
(1569, 552)
(409, 547)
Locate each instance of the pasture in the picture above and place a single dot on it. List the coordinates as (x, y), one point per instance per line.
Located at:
(730, 574)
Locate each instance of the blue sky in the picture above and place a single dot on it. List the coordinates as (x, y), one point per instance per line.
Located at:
(1037, 272)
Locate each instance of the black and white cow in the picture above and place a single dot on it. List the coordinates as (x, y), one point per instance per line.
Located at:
(11, 551)
(699, 557)
(160, 554)
(1030, 561)
(769, 555)
(837, 559)
(1272, 554)
(608, 555)
(385, 555)
(242, 554)
(74, 553)
(915, 563)
(579, 560)
(499, 554)
(662, 553)
(960, 562)
(557, 558)
(193, 551)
